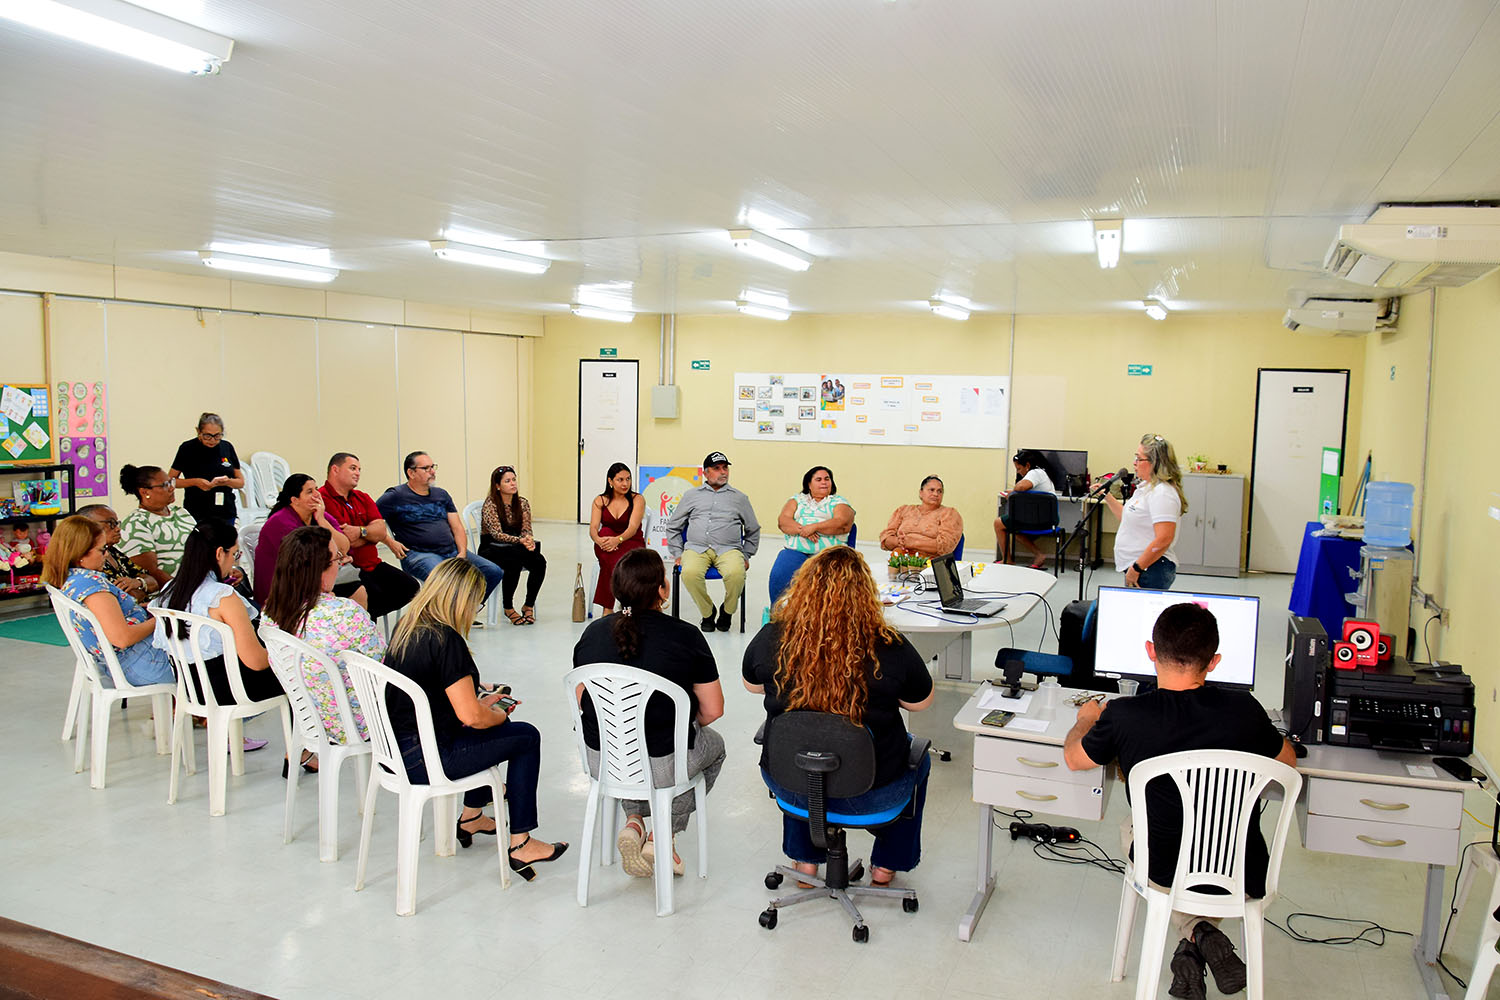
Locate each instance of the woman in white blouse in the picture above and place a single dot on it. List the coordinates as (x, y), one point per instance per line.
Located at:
(810, 522)
(1148, 520)
(1031, 477)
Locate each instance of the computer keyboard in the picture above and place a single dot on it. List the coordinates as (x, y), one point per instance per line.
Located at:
(970, 604)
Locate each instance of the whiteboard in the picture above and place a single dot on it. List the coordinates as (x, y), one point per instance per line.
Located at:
(942, 411)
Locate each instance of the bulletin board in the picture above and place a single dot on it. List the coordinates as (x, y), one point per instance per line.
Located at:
(943, 411)
(25, 424)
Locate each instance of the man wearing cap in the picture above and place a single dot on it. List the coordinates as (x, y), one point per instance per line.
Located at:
(721, 532)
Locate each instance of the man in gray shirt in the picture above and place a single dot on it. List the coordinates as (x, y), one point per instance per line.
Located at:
(722, 532)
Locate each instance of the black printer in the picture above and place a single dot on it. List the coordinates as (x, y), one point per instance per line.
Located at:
(1419, 708)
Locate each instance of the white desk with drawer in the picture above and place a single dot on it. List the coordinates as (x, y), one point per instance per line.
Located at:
(1365, 803)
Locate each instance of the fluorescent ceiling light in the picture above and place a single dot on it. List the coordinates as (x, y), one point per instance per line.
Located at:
(769, 248)
(949, 306)
(266, 267)
(128, 30)
(505, 260)
(1107, 241)
(1155, 309)
(316, 256)
(599, 312)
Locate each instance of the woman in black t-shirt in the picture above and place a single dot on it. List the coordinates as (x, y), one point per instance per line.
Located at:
(639, 635)
(829, 649)
(207, 471)
(473, 732)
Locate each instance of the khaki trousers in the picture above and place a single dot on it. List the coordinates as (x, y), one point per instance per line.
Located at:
(731, 566)
(1182, 923)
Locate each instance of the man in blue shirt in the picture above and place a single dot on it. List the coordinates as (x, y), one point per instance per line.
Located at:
(423, 518)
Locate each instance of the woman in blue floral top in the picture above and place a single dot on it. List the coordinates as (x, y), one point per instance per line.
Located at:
(302, 601)
(74, 564)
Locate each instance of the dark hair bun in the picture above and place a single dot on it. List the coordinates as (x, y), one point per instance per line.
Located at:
(129, 476)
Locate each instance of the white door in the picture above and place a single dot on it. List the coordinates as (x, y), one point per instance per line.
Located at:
(1298, 413)
(608, 409)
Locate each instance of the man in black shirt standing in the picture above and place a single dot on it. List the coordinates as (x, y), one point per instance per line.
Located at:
(1183, 713)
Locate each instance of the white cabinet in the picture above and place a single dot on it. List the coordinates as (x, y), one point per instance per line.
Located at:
(1208, 537)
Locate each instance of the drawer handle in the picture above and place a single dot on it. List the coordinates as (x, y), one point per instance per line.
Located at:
(1376, 842)
(1386, 806)
(1041, 798)
(1037, 763)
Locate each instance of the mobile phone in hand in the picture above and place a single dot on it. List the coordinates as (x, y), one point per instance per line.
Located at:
(507, 702)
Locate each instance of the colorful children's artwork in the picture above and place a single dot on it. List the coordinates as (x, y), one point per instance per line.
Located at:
(15, 444)
(79, 423)
(89, 457)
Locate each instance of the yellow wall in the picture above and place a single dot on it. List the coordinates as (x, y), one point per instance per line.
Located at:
(1458, 544)
(1070, 391)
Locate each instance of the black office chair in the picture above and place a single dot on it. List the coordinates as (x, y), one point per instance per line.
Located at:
(831, 758)
(1034, 514)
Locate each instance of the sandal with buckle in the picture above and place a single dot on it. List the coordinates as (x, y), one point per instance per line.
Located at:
(515, 619)
(528, 615)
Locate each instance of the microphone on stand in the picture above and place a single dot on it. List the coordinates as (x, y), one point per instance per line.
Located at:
(1104, 483)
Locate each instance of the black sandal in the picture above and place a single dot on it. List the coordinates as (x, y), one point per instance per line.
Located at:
(523, 868)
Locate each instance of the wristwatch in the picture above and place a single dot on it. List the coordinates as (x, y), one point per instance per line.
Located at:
(362, 532)
(1137, 567)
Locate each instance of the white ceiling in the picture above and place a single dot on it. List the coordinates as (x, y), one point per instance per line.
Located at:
(921, 144)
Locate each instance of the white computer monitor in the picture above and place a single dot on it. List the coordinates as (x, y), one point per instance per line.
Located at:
(1126, 616)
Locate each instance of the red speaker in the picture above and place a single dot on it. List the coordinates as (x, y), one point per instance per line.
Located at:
(1345, 656)
(1364, 636)
(1387, 647)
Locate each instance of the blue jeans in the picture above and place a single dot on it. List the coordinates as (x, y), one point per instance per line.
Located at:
(1159, 575)
(788, 561)
(473, 750)
(898, 845)
(419, 564)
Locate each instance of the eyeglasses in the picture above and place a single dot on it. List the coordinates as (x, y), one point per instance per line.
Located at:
(426, 468)
(165, 484)
(211, 437)
(110, 523)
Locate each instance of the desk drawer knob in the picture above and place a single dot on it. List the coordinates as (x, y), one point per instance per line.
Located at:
(1036, 798)
(1385, 806)
(1376, 842)
(1037, 763)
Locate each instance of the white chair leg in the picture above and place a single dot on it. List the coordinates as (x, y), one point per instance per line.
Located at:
(179, 718)
(661, 828)
(700, 820)
(100, 742)
(328, 806)
(219, 734)
(1485, 956)
(362, 778)
(408, 835)
(586, 842)
(445, 813)
(75, 702)
(189, 744)
(502, 827)
(82, 724)
(1255, 952)
(1153, 942)
(293, 774)
(609, 815)
(372, 788)
(237, 746)
(1124, 930)
(161, 715)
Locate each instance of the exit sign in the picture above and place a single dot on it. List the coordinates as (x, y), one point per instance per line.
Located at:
(609, 352)
(1137, 369)
(700, 366)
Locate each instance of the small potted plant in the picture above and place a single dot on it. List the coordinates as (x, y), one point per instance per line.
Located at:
(1197, 463)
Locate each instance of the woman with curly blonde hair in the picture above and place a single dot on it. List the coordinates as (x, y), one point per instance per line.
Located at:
(829, 649)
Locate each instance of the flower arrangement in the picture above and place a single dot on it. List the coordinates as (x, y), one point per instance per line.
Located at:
(904, 561)
(1197, 463)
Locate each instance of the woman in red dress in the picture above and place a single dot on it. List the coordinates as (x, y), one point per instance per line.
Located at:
(615, 527)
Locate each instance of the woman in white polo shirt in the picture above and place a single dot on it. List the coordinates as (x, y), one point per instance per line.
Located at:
(1148, 520)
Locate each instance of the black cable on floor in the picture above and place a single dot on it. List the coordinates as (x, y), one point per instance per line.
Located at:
(1370, 933)
(1453, 901)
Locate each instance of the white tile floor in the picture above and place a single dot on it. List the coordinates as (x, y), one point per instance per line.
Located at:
(225, 898)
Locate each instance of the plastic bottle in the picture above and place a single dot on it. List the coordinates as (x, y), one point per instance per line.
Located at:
(1388, 514)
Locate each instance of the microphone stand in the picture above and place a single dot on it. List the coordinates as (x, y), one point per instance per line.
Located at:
(1081, 530)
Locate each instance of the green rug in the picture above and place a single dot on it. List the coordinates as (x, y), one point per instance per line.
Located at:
(38, 628)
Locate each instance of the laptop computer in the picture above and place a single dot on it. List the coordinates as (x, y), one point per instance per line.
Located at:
(951, 591)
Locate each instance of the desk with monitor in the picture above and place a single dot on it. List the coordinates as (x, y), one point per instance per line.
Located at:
(1359, 802)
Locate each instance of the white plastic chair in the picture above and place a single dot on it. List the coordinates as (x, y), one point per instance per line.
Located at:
(471, 531)
(271, 471)
(594, 567)
(620, 695)
(1220, 790)
(225, 722)
(250, 529)
(86, 675)
(249, 497)
(371, 681)
(289, 657)
(1486, 958)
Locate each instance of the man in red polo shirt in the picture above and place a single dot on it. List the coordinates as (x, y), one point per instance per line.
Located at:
(389, 587)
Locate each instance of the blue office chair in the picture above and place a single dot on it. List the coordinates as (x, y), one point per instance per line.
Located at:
(830, 759)
(1036, 515)
(780, 577)
(712, 574)
(958, 550)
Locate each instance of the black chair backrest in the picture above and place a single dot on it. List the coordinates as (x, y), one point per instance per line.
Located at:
(1031, 511)
(823, 755)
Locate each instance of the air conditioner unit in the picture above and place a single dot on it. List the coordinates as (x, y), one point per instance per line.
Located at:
(1418, 246)
(1325, 317)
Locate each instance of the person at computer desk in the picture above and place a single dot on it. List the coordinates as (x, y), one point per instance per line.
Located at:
(1183, 713)
(828, 648)
(1031, 477)
(1148, 520)
(927, 528)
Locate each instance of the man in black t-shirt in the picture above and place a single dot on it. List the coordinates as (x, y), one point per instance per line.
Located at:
(1183, 713)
